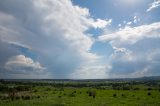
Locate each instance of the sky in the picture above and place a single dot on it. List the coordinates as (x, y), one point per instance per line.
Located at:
(79, 39)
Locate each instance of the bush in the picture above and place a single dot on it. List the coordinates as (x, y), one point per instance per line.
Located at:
(23, 88)
(148, 93)
(136, 89)
(48, 89)
(35, 90)
(149, 89)
(72, 95)
(11, 94)
(61, 89)
(17, 97)
(4, 97)
(92, 93)
(38, 96)
(26, 97)
(87, 92)
(122, 95)
(126, 88)
(3, 88)
(114, 95)
(1, 97)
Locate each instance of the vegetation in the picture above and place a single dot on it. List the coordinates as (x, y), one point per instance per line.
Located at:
(79, 93)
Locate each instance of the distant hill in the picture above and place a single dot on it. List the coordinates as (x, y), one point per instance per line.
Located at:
(145, 78)
(150, 78)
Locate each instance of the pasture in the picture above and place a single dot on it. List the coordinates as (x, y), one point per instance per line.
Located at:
(79, 94)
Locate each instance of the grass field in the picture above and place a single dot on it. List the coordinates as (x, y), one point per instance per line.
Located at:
(81, 96)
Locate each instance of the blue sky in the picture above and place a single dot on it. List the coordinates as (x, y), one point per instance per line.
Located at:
(79, 39)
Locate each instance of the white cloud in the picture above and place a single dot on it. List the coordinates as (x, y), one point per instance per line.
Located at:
(119, 25)
(131, 35)
(154, 5)
(133, 63)
(22, 61)
(129, 23)
(135, 51)
(132, 22)
(54, 30)
(136, 19)
(25, 66)
(121, 50)
(101, 23)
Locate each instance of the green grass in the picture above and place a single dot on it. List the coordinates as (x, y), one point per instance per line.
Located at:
(50, 96)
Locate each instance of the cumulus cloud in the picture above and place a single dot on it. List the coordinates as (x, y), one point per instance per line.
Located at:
(54, 30)
(99, 23)
(24, 67)
(135, 63)
(135, 49)
(21, 61)
(154, 5)
(119, 25)
(131, 35)
(136, 19)
(129, 23)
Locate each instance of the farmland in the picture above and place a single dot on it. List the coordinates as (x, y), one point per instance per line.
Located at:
(79, 93)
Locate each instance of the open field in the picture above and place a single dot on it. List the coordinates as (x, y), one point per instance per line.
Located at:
(80, 93)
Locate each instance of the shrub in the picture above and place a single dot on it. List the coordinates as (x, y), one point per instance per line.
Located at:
(48, 89)
(136, 89)
(149, 89)
(26, 97)
(35, 91)
(148, 93)
(11, 94)
(17, 97)
(1, 97)
(3, 88)
(61, 89)
(4, 97)
(23, 88)
(114, 95)
(38, 96)
(22, 97)
(122, 95)
(92, 93)
(138, 98)
(72, 95)
(126, 88)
